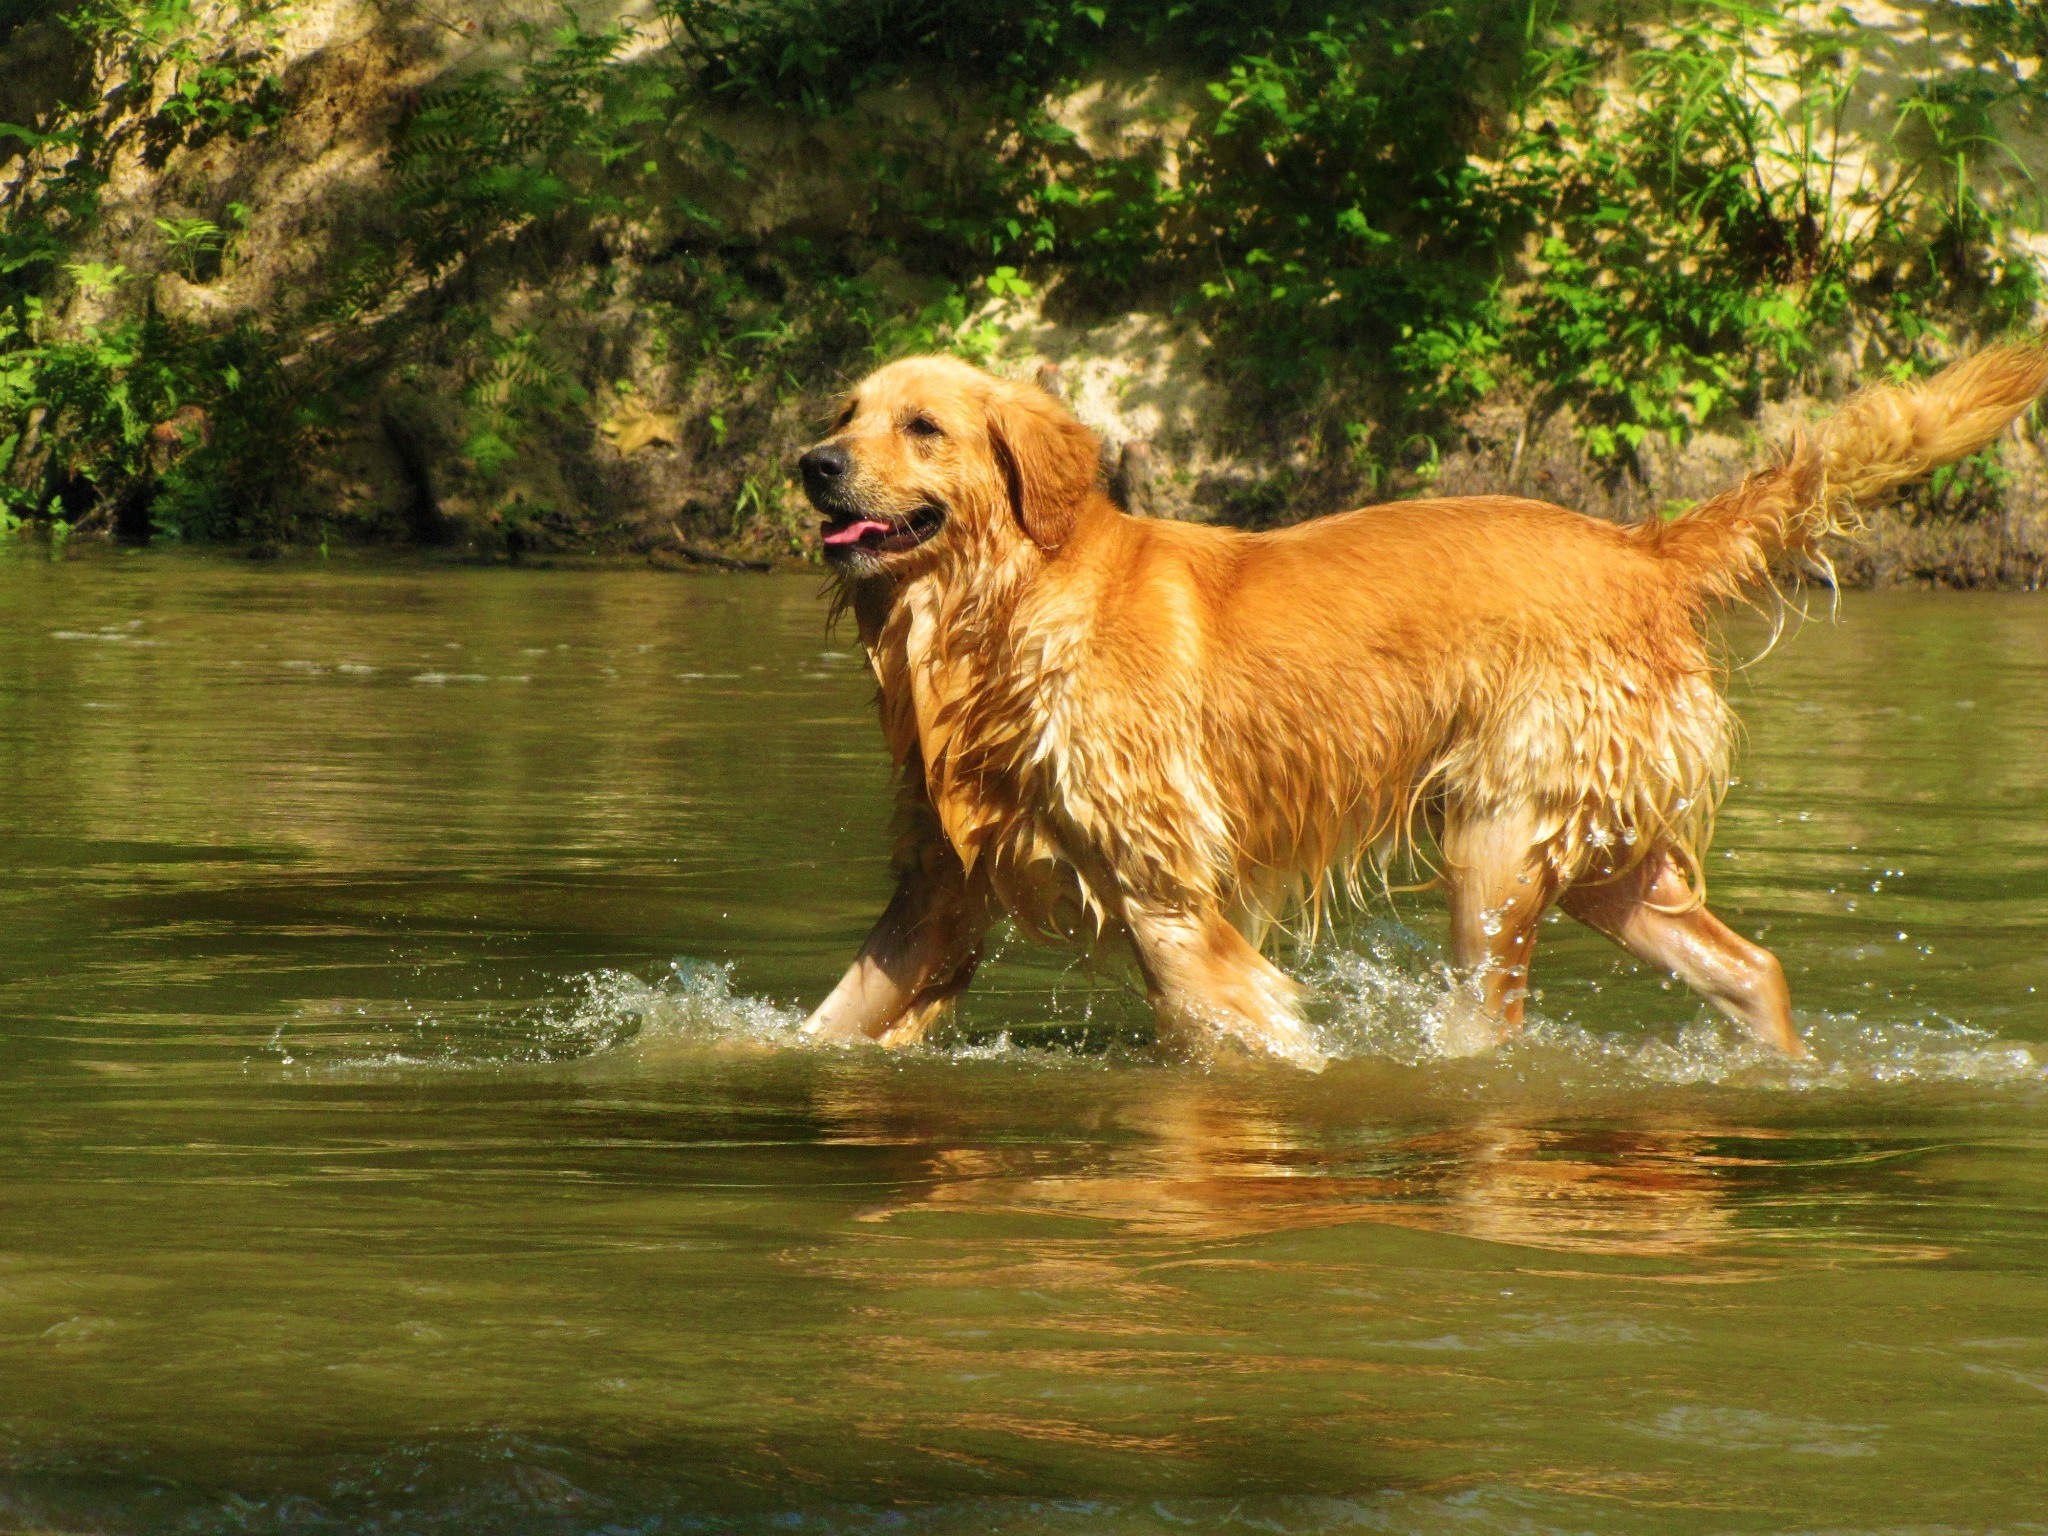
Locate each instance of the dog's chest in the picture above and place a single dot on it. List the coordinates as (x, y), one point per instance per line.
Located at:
(981, 729)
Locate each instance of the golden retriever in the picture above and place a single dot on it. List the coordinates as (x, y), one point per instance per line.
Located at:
(1169, 736)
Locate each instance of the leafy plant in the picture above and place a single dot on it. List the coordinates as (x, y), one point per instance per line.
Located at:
(189, 242)
(84, 400)
(514, 382)
(1712, 232)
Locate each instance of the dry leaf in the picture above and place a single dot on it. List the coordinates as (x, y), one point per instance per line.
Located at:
(633, 426)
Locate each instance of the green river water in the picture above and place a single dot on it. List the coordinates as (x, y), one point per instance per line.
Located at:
(402, 1129)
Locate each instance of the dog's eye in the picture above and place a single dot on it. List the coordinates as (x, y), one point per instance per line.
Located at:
(844, 417)
(922, 426)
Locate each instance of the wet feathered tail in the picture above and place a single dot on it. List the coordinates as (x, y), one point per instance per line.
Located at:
(1884, 438)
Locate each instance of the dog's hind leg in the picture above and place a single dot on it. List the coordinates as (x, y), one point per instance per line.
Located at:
(1654, 914)
(1499, 884)
(1205, 978)
(921, 953)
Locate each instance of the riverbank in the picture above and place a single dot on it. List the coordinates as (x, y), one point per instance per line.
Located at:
(1895, 554)
(538, 280)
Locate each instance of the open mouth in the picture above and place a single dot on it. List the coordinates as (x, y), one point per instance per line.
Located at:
(844, 533)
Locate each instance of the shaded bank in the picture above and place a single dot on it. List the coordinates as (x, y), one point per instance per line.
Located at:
(531, 280)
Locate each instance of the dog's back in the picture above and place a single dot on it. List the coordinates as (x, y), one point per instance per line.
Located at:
(1335, 680)
(1462, 655)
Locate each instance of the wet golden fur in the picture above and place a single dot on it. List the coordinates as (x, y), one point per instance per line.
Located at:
(1173, 735)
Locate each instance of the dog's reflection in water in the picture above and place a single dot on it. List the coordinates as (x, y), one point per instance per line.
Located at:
(1205, 1158)
(1639, 1189)
(1076, 1264)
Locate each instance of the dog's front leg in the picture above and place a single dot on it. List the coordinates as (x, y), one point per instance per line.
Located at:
(918, 957)
(1205, 978)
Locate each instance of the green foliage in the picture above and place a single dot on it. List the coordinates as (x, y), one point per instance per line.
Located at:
(1387, 212)
(514, 383)
(1963, 492)
(489, 156)
(115, 413)
(1651, 213)
(189, 242)
(1711, 235)
(162, 427)
(574, 158)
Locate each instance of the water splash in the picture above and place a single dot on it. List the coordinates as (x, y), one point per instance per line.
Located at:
(604, 1013)
(693, 1005)
(1389, 1002)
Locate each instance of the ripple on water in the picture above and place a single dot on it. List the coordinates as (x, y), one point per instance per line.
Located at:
(525, 1496)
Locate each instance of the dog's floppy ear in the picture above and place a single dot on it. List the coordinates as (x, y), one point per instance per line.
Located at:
(1048, 461)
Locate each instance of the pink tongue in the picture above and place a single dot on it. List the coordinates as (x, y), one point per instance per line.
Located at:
(851, 533)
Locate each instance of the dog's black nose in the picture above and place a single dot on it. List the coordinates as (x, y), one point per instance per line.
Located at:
(824, 467)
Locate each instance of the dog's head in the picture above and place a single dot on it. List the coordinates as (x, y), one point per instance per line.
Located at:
(931, 458)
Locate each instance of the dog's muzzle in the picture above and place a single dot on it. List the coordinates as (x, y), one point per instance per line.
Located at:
(849, 529)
